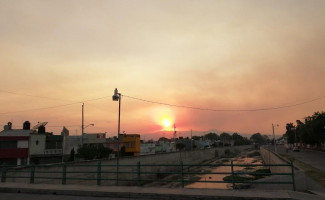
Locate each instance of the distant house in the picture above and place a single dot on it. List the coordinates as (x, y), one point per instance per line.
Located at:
(129, 144)
(14, 145)
(45, 148)
(164, 146)
(187, 142)
(228, 142)
(24, 146)
(94, 138)
(147, 148)
(73, 142)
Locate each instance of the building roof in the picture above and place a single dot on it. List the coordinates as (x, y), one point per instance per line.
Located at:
(16, 132)
(129, 135)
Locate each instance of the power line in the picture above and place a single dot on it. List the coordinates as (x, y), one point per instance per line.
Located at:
(226, 110)
(64, 125)
(35, 96)
(40, 108)
(156, 102)
(50, 107)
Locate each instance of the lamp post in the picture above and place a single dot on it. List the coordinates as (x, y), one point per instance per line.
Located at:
(82, 124)
(84, 133)
(117, 97)
(83, 127)
(89, 125)
(274, 137)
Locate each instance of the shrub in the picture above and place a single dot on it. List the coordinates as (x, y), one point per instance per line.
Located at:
(253, 154)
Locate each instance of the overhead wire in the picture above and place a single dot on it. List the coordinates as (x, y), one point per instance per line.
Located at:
(35, 96)
(57, 106)
(226, 110)
(161, 103)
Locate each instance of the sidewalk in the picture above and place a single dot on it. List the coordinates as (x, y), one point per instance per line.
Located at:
(153, 193)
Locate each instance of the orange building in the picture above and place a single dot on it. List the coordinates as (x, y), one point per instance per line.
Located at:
(131, 143)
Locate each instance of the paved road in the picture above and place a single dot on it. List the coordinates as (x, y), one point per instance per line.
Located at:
(20, 196)
(313, 158)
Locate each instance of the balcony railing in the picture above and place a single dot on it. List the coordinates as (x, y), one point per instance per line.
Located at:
(52, 151)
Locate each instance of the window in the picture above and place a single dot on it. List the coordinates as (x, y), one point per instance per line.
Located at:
(10, 144)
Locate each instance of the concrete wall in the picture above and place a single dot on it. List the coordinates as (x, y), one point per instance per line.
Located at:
(270, 157)
(88, 169)
(37, 144)
(71, 142)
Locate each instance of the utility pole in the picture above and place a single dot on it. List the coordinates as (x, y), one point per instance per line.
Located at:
(117, 97)
(175, 131)
(191, 140)
(82, 124)
(274, 138)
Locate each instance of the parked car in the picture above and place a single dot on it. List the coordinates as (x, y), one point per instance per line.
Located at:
(295, 149)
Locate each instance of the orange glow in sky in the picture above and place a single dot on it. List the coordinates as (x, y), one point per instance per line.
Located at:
(163, 116)
(166, 123)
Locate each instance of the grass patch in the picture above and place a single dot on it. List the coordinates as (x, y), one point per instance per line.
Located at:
(237, 178)
(314, 173)
(253, 154)
(252, 176)
(229, 154)
(266, 172)
(255, 161)
(248, 168)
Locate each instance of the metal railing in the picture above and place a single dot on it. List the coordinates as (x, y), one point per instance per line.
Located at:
(140, 174)
(52, 151)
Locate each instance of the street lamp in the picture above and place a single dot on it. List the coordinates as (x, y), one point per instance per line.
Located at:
(89, 125)
(117, 97)
(274, 137)
(83, 133)
(82, 124)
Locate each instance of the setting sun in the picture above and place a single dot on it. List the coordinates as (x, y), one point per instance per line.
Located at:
(166, 123)
(164, 117)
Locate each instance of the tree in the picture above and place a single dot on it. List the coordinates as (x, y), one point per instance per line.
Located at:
(180, 146)
(90, 152)
(123, 152)
(163, 139)
(212, 136)
(239, 140)
(258, 138)
(268, 140)
(290, 133)
(196, 137)
(72, 153)
(225, 136)
(311, 131)
(103, 152)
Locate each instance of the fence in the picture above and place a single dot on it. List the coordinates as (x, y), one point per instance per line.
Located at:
(139, 174)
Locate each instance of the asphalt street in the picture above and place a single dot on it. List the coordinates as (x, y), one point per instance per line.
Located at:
(311, 157)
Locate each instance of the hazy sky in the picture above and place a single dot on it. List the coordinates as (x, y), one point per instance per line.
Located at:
(220, 55)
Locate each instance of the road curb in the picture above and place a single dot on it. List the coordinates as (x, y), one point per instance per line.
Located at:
(143, 193)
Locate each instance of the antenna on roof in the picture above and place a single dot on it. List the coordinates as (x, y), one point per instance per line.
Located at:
(39, 124)
(174, 131)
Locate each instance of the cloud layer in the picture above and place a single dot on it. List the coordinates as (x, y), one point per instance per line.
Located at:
(210, 54)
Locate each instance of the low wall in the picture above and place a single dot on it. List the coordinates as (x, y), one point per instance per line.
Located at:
(88, 169)
(270, 157)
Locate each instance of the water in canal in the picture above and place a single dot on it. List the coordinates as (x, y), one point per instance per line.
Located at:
(243, 159)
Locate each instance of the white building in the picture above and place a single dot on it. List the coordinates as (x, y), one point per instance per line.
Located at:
(147, 148)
